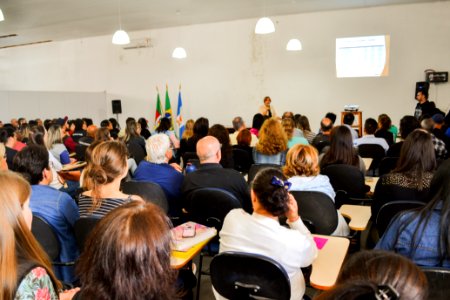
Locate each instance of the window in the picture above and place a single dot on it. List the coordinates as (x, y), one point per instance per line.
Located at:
(366, 56)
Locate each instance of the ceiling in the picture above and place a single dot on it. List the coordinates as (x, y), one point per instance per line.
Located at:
(55, 20)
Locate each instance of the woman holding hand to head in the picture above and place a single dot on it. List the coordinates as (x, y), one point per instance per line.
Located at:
(302, 169)
(26, 272)
(261, 233)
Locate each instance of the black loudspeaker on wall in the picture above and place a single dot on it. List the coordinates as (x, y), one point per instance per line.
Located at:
(422, 86)
(117, 107)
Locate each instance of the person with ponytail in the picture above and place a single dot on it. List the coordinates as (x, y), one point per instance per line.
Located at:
(106, 168)
(25, 269)
(261, 233)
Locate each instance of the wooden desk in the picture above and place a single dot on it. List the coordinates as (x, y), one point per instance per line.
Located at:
(327, 265)
(179, 259)
(74, 166)
(359, 216)
(372, 182)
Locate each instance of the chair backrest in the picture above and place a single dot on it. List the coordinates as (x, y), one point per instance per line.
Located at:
(237, 275)
(242, 160)
(136, 151)
(320, 146)
(438, 283)
(255, 168)
(346, 178)
(82, 229)
(374, 151)
(389, 210)
(46, 237)
(80, 152)
(387, 164)
(317, 211)
(209, 206)
(149, 191)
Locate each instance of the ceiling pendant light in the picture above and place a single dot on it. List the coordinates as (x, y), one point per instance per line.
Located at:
(294, 45)
(2, 18)
(264, 26)
(120, 37)
(179, 53)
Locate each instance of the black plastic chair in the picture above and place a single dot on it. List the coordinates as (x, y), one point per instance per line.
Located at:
(348, 182)
(322, 146)
(48, 240)
(136, 151)
(237, 275)
(438, 283)
(149, 191)
(209, 206)
(317, 211)
(374, 151)
(387, 164)
(82, 229)
(389, 210)
(80, 152)
(242, 160)
(255, 168)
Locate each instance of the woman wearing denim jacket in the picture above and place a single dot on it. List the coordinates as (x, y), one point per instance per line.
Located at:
(423, 235)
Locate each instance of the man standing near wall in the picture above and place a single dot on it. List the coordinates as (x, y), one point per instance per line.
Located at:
(424, 107)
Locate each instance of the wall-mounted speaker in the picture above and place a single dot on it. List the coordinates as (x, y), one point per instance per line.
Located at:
(116, 106)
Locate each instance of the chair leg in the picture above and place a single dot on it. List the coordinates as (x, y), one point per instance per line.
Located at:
(200, 265)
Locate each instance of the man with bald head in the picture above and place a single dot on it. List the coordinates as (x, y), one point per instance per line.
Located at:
(322, 139)
(211, 174)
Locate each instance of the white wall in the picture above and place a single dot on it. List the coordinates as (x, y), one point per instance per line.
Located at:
(229, 70)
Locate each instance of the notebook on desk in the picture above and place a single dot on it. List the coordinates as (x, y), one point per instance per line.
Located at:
(202, 233)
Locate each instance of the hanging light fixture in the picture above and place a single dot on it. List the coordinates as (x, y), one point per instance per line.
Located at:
(264, 26)
(294, 45)
(2, 18)
(120, 37)
(179, 53)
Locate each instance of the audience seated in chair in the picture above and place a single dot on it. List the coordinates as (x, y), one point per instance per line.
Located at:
(25, 268)
(322, 139)
(288, 127)
(55, 207)
(211, 174)
(272, 144)
(201, 127)
(341, 150)
(157, 169)
(261, 233)
(374, 275)
(410, 180)
(302, 123)
(239, 126)
(370, 127)
(302, 169)
(221, 134)
(106, 168)
(135, 143)
(422, 235)
(383, 131)
(407, 125)
(127, 256)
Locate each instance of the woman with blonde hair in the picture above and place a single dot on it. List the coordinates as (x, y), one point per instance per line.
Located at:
(188, 130)
(106, 168)
(272, 144)
(55, 144)
(26, 272)
(302, 169)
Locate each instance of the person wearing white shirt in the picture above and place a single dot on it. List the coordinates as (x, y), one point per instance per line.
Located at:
(370, 126)
(348, 120)
(267, 110)
(238, 125)
(261, 233)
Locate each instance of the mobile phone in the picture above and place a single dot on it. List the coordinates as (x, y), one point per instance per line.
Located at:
(188, 231)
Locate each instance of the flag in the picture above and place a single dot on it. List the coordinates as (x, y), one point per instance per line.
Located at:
(179, 116)
(158, 113)
(168, 109)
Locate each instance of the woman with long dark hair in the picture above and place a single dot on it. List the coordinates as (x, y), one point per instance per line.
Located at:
(201, 127)
(410, 180)
(164, 127)
(424, 235)
(341, 150)
(145, 133)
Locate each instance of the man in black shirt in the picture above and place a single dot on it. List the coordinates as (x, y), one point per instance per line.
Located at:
(424, 107)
